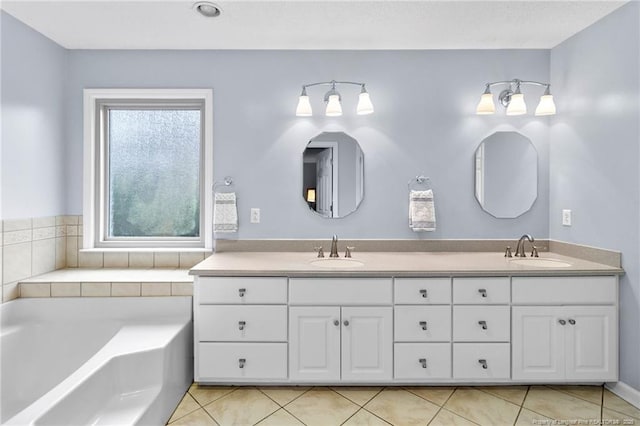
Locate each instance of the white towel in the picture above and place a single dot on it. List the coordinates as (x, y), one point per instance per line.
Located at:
(225, 212)
(422, 212)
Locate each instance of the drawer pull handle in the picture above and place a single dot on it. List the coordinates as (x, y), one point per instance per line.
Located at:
(241, 362)
(483, 363)
(562, 322)
(241, 325)
(483, 292)
(242, 291)
(423, 325)
(423, 362)
(336, 323)
(483, 324)
(572, 322)
(346, 323)
(423, 292)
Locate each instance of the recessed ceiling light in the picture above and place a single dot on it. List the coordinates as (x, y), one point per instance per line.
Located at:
(207, 9)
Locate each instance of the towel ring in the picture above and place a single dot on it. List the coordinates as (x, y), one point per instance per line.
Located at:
(420, 180)
(228, 181)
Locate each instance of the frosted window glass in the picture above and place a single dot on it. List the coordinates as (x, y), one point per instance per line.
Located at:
(154, 173)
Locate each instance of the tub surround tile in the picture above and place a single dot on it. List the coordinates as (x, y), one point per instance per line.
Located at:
(481, 407)
(188, 259)
(156, 289)
(401, 407)
(35, 290)
(207, 394)
(10, 291)
(281, 418)
(16, 262)
(70, 220)
(17, 237)
(90, 260)
(43, 257)
(196, 418)
(186, 406)
(322, 406)
(116, 260)
(65, 290)
(61, 231)
(613, 402)
(43, 222)
(72, 230)
(96, 289)
(44, 233)
(61, 253)
(358, 394)
(165, 260)
(284, 394)
(16, 224)
(559, 405)
(447, 418)
(436, 394)
(182, 289)
(365, 418)
(72, 252)
(232, 409)
(140, 260)
(125, 289)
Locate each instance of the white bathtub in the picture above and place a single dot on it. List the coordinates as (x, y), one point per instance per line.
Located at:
(97, 361)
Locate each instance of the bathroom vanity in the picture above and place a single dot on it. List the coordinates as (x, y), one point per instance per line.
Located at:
(404, 318)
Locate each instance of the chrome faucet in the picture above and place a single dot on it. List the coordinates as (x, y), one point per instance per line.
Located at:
(520, 247)
(334, 247)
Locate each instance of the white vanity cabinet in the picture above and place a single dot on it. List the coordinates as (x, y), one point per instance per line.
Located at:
(565, 329)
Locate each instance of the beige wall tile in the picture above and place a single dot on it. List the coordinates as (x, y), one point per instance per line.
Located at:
(116, 260)
(42, 222)
(71, 230)
(61, 230)
(16, 224)
(165, 260)
(140, 260)
(189, 260)
(72, 252)
(10, 291)
(182, 289)
(44, 233)
(16, 237)
(35, 290)
(16, 262)
(90, 260)
(156, 289)
(61, 253)
(95, 289)
(43, 256)
(80, 220)
(65, 289)
(70, 220)
(125, 289)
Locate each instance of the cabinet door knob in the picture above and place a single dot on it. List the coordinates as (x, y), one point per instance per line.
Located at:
(346, 323)
(423, 325)
(423, 292)
(336, 323)
(562, 322)
(242, 291)
(483, 363)
(241, 324)
(483, 292)
(572, 321)
(423, 362)
(241, 362)
(483, 324)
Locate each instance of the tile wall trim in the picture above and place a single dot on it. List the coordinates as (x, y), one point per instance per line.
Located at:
(105, 289)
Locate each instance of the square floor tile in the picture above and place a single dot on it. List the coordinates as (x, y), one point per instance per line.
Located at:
(436, 394)
(588, 393)
(447, 418)
(186, 406)
(614, 418)
(514, 394)
(197, 418)
(401, 407)
(245, 406)
(615, 403)
(481, 407)
(206, 394)
(322, 407)
(283, 394)
(358, 394)
(281, 418)
(364, 418)
(529, 418)
(559, 405)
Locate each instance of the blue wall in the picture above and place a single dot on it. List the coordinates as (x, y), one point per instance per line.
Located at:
(594, 146)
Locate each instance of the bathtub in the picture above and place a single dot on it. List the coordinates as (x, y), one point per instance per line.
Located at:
(98, 361)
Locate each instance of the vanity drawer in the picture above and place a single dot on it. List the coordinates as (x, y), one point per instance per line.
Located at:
(485, 291)
(565, 290)
(419, 291)
(422, 323)
(232, 290)
(220, 361)
(242, 323)
(470, 360)
(340, 291)
(422, 360)
(481, 323)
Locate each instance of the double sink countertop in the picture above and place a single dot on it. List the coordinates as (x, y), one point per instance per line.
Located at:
(396, 264)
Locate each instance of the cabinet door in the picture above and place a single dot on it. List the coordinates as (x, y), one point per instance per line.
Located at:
(537, 343)
(591, 343)
(367, 343)
(314, 343)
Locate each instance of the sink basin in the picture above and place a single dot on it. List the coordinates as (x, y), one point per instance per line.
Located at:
(337, 263)
(541, 263)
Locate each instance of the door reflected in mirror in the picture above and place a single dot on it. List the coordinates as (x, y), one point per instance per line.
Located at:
(506, 170)
(333, 174)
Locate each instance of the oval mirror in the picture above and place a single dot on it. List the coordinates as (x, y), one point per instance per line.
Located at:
(506, 170)
(333, 174)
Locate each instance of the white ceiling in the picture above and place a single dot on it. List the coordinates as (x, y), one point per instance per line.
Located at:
(301, 24)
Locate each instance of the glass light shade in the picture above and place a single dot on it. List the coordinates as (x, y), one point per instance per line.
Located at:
(517, 105)
(311, 195)
(364, 104)
(486, 105)
(546, 105)
(304, 107)
(334, 109)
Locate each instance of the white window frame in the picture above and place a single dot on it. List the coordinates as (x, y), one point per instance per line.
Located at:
(94, 149)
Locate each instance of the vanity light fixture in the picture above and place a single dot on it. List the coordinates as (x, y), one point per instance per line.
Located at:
(333, 99)
(513, 99)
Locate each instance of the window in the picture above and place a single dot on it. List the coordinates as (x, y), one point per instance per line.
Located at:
(147, 168)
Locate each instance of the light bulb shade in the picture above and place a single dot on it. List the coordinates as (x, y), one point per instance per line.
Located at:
(334, 109)
(517, 105)
(311, 195)
(486, 105)
(304, 107)
(546, 106)
(364, 104)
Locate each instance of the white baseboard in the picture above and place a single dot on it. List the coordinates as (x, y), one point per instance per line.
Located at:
(626, 392)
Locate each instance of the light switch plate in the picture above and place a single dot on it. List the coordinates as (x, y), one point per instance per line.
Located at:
(566, 217)
(255, 215)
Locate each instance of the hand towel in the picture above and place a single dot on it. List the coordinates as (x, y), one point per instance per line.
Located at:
(422, 211)
(225, 212)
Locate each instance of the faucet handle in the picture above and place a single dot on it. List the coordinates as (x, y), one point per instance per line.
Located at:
(534, 252)
(348, 250)
(507, 252)
(320, 251)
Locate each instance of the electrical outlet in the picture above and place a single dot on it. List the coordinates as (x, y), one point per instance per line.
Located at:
(566, 217)
(255, 215)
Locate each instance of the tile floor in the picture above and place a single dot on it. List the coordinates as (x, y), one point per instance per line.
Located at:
(403, 406)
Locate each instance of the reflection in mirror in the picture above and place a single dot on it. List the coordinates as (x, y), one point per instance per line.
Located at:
(333, 174)
(506, 169)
